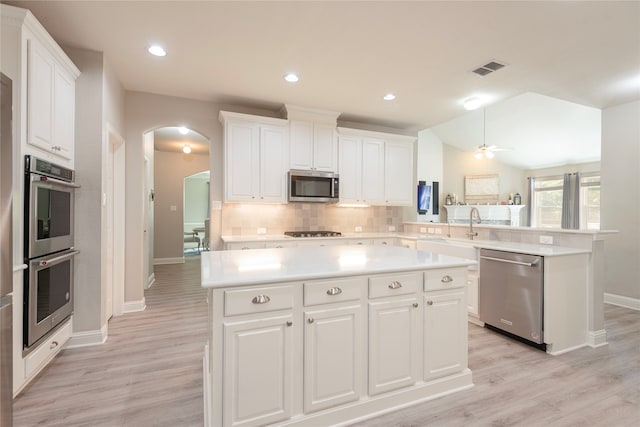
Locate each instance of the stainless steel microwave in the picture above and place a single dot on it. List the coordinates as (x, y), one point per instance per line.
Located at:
(313, 186)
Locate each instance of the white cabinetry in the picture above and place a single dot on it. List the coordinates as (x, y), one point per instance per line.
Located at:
(394, 332)
(44, 77)
(375, 168)
(334, 358)
(259, 389)
(50, 102)
(399, 185)
(256, 158)
(445, 323)
(313, 146)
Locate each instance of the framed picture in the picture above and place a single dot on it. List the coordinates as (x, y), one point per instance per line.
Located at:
(481, 188)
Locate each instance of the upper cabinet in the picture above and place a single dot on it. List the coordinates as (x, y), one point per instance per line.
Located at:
(313, 139)
(44, 76)
(375, 168)
(256, 158)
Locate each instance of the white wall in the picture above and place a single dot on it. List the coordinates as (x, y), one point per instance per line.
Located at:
(171, 169)
(620, 199)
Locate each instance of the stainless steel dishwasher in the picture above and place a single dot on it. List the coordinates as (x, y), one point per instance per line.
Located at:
(511, 294)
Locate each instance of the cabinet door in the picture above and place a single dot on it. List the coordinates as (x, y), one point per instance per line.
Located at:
(301, 145)
(445, 334)
(64, 114)
(242, 162)
(273, 164)
(258, 371)
(398, 174)
(333, 357)
(325, 148)
(40, 78)
(373, 171)
(394, 345)
(350, 169)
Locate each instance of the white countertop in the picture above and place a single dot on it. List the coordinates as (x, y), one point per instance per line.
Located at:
(257, 266)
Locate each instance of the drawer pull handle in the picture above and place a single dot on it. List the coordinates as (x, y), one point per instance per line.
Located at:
(261, 299)
(395, 285)
(334, 291)
(244, 248)
(310, 320)
(53, 345)
(289, 323)
(429, 302)
(447, 279)
(415, 305)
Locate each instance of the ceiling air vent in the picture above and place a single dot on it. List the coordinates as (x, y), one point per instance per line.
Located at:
(488, 68)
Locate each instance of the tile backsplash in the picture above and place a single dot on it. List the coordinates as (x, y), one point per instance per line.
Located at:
(245, 219)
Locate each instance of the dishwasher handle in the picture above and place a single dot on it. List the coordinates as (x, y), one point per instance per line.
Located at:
(527, 264)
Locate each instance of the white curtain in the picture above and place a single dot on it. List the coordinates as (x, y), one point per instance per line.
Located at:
(571, 201)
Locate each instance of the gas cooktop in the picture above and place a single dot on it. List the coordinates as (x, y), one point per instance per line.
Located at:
(312, 233)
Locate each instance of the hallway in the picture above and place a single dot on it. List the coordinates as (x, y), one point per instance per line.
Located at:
(148, 373)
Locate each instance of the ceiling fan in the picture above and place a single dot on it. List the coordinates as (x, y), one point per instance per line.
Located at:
(485, 150)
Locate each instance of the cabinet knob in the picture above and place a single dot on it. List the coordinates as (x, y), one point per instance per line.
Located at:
(415, 305)
(310, 320)
(447, 279)
(334, 291)
(261, 299)
(395, 285)
(384, 243)
(289, 322)
(429, 302)
(53, 345)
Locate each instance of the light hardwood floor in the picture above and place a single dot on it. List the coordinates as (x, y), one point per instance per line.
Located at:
(149, 373)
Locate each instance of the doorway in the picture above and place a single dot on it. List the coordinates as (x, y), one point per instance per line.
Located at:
(114, 205)
(196, 213)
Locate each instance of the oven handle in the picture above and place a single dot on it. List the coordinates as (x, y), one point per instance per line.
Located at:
(56, 259)
(48, 179)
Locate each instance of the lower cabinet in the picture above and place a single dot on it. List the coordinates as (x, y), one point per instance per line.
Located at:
(258, 371)
(445, 333)
(394, 344)
(333, 357)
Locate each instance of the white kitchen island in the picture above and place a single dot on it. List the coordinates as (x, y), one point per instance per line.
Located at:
(329, 335)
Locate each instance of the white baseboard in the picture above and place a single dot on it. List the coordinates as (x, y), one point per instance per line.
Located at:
(176, 260)
(134, 306)
(150, 281)
(597, 338)
(622, 301)
(88, 338)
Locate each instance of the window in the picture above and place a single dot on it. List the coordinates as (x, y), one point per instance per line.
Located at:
(590, 202)
(547, 202)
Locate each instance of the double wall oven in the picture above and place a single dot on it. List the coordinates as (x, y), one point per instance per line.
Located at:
(49, 247)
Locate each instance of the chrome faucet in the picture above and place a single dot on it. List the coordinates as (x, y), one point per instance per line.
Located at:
(472, 233)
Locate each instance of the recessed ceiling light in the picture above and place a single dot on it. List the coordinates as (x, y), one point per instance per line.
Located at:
(157, 50)
(291, 78)
(186, 149)
(472, 103)
(389, 97)
(183, 130)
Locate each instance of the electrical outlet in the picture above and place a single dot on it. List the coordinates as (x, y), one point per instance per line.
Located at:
(423, 229)
(546, 240)
(173, 208)
(262, 230)
(438, 230)
(358, 228)
(431, 230)
(392, 228)
(216, 205)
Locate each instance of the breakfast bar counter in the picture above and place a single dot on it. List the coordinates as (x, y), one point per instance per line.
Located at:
(330, 335)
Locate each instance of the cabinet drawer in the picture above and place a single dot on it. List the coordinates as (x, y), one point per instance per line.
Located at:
(394, 284)
(45, 351)
(329, 291)
(257, 300)
(445, 279)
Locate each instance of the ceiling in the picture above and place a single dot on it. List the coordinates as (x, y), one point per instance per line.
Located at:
(169, 138)
(349, 54)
